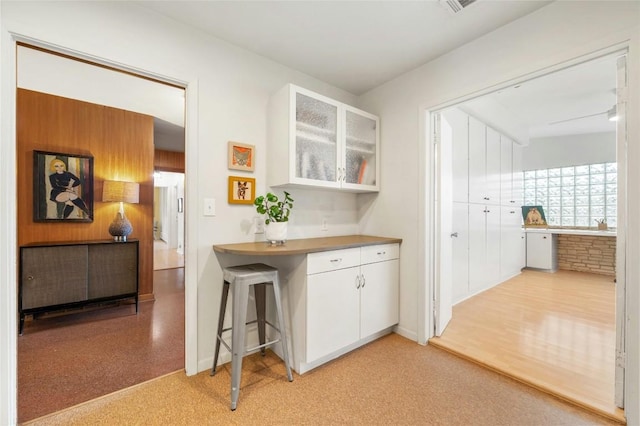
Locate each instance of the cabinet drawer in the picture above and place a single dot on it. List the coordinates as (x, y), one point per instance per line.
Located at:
(379, 253)
(332, 260)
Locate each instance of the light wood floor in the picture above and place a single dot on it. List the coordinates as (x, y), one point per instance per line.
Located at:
(165, 258)
(553, 331)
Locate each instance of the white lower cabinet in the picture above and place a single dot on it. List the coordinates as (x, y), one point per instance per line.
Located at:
(347, 298)
(512, 244)
(542, 251)
(484, 247)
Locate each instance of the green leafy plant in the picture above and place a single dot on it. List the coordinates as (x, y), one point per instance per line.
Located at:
(276, 210)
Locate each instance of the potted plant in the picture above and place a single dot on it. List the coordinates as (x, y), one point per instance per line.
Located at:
(277, 212)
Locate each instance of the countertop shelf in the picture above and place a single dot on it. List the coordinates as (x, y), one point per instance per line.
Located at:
(304, 245)
(592, 232)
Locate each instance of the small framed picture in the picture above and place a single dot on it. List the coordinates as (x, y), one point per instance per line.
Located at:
(62, 187)
(242, 190)
(533, 217)
(241, 156)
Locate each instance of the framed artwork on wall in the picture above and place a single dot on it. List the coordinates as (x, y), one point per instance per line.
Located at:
(241, 156)
(62, 187)
(242, 190)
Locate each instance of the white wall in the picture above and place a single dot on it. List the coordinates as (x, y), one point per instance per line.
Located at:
(557, 33)
(573, 150)
(227, 98)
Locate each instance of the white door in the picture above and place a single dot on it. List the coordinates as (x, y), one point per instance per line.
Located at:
(621, 142)
(460, 244)
(444, 206)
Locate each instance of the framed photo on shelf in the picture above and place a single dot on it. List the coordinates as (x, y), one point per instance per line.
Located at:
(62, 187)
(242, 190)
(241, 156)
(533, 217)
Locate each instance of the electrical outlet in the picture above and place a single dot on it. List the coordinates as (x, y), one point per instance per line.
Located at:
(325, 224)
(259, 225)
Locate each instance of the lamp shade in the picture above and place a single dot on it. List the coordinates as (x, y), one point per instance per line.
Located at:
(118, 191)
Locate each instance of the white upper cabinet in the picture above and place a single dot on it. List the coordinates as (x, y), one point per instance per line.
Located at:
(506, 171)
(492, 147)
(319, 142)
(477, 162)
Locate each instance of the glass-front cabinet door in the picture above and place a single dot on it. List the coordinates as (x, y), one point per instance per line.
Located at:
(360, 163)
(316, 140)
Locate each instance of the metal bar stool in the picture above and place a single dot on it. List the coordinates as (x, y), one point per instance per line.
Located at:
(240, 278)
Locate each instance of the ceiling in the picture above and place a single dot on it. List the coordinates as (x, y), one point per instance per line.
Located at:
(353, 45)
(358, 45)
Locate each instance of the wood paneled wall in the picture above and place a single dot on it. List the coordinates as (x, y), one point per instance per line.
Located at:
(169, 161)
(121, 144)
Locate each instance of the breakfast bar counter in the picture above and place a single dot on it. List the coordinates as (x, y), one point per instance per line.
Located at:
(338, 293)
(304, 245)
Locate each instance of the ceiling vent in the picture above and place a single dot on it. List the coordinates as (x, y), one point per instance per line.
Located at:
(456, 6)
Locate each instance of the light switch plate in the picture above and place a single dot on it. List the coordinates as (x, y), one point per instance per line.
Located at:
(209, 207)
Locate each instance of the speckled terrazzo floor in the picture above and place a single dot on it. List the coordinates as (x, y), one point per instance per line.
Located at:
(64, 360)
(392, 381)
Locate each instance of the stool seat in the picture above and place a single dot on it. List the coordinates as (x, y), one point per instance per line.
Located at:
(240, 279)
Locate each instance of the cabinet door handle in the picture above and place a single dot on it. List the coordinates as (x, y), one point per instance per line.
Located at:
(512, 212)
(344, 174)
(486, 198)
(30, 277)
(358, 281)
(364, 281)
(454, 235)
(544, 237)
(339, 174)
(380, 253)
(336, 260)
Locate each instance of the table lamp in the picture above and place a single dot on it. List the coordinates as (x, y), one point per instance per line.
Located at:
(122, 192)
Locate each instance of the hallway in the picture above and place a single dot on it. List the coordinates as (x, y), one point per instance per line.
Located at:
(64, 360)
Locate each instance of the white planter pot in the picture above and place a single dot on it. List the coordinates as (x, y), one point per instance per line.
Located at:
(276, 232)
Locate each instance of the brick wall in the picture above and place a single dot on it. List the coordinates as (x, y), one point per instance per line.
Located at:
(587, 253)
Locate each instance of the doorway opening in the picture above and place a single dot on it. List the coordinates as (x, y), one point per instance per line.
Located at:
(480, 228)
(108, 335)
(168, 220)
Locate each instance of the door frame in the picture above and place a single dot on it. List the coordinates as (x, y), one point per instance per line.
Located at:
(8, 252)
(427, 237)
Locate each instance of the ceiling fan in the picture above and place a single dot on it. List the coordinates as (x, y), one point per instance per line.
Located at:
(611, 113)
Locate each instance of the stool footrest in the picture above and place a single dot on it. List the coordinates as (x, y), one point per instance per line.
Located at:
(264, 345)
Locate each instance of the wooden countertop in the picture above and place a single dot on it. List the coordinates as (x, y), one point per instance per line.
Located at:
(304, 245)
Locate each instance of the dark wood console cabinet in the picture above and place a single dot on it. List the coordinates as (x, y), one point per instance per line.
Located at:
(55, 276)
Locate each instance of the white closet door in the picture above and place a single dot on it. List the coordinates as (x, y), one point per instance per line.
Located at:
(506, 171)
(493, 167)
(492, 269)
(477, 162)
(477, 248)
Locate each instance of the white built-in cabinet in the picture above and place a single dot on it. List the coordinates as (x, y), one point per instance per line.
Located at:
(316, 141)
(342, 299)
(488, 242)
(542, 251)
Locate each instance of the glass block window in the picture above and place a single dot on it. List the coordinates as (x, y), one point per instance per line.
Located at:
(576, 195)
